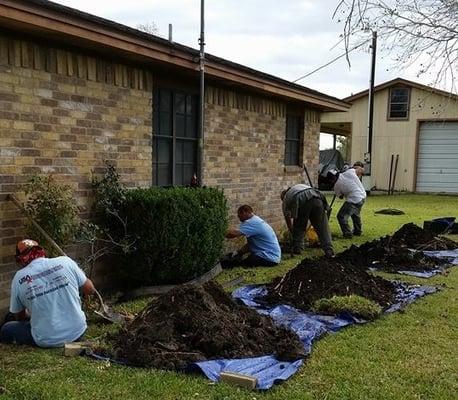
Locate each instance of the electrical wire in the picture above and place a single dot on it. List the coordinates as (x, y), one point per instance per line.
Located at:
(331, 62)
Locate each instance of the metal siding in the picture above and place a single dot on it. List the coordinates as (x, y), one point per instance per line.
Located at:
(437, 169)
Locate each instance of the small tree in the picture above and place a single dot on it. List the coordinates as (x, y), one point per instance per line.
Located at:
(52, 206)
(148, 27)
(342, 146)
(110, 195)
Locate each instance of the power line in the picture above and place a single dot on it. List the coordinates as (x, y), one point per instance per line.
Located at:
(331, 62)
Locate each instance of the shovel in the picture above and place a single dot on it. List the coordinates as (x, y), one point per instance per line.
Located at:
(105, 312)
(330, 207)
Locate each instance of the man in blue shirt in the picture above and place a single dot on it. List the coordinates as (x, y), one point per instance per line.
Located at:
(262, 247)
(45, 299)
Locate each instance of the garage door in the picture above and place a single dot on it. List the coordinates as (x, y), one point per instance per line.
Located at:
(437, 167)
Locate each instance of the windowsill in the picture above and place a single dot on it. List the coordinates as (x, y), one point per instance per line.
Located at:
(292, 168)
(397, 119)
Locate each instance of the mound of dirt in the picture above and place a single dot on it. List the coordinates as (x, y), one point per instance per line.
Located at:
(392, 253)
(414, 237)
(191, 323)
(321, 278)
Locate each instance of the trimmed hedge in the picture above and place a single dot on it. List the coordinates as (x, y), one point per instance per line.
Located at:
(179, 234)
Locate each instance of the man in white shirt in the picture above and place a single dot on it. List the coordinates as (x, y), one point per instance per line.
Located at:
(348, 185)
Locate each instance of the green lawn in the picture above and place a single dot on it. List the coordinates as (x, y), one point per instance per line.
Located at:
(408, 355)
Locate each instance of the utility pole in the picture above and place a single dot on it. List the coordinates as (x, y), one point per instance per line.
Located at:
(202, 91)
(370, 119)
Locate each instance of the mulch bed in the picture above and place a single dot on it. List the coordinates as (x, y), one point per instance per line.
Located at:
(194, 323)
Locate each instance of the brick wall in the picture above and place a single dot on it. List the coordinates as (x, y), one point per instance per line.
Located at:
(245, 147)
(65, 113)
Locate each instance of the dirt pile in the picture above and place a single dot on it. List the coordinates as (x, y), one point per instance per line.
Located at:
(347, 274)
(414, 237)
(321, 278)
(392, 253)
(192, 323)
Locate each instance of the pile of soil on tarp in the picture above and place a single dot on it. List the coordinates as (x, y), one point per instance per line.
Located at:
(195, 323)
(414, 237)
(315, 279)
(394, 253)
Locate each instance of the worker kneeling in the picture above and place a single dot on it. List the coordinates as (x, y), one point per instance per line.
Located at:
(45, 299)
(262, 247)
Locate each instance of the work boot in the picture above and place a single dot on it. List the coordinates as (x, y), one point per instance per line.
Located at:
(329, 253)
(347, 235)
(357, 233)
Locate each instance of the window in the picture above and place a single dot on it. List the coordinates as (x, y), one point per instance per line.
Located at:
(175, 137)
(399, 103)
(293, 139)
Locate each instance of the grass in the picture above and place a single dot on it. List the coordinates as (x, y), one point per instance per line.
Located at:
(354, 304)
(408, 355)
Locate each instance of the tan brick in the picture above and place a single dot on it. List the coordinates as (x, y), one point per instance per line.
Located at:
(23, 125)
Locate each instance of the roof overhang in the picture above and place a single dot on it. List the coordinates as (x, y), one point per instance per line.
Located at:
(400, 82)
(48, 20)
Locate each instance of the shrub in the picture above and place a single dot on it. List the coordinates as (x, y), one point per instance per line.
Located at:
(53, 207)
(354, 304)
(109, 198)
(179, 234)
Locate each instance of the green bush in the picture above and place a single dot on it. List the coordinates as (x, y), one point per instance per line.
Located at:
(356, 305)
(52, 206)
(179, 234)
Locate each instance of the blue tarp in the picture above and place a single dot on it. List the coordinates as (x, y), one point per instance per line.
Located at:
(450, 255)
(309, 327)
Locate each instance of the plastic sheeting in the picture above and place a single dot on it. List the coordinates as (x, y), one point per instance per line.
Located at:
(309, 327)
(450, 255)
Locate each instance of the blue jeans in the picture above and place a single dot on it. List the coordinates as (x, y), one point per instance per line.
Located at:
(20, 332)
(353, 211)
(17, 332)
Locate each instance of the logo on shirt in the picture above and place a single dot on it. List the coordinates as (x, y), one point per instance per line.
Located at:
(26, 278)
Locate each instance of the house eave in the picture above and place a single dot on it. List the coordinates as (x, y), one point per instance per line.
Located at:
(75, 28)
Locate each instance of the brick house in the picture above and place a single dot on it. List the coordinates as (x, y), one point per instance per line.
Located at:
(76, 90)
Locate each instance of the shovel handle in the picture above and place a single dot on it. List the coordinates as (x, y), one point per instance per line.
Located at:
(56, 247)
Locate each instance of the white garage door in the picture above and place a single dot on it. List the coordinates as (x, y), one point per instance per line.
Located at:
(437, 167)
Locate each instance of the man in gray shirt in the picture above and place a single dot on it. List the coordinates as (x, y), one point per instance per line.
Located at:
(301, 203)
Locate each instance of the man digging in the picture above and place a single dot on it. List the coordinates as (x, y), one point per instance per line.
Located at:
(348, 184)
(262, 247)
(300, 203)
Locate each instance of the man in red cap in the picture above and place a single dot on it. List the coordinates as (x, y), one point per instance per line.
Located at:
(45, 299)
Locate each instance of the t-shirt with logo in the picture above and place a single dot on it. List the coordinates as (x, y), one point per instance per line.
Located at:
(49, 289)
(261, 238)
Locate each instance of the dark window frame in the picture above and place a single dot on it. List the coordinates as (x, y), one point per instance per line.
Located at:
(186, 121)
(406, 103)
(293, 139)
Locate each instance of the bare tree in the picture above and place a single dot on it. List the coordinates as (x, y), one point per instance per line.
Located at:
(419, 33)
(148, 27)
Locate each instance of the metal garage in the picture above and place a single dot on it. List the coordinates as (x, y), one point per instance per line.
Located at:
(437, 166)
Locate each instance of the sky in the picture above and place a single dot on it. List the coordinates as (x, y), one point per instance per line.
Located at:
(288, 39)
